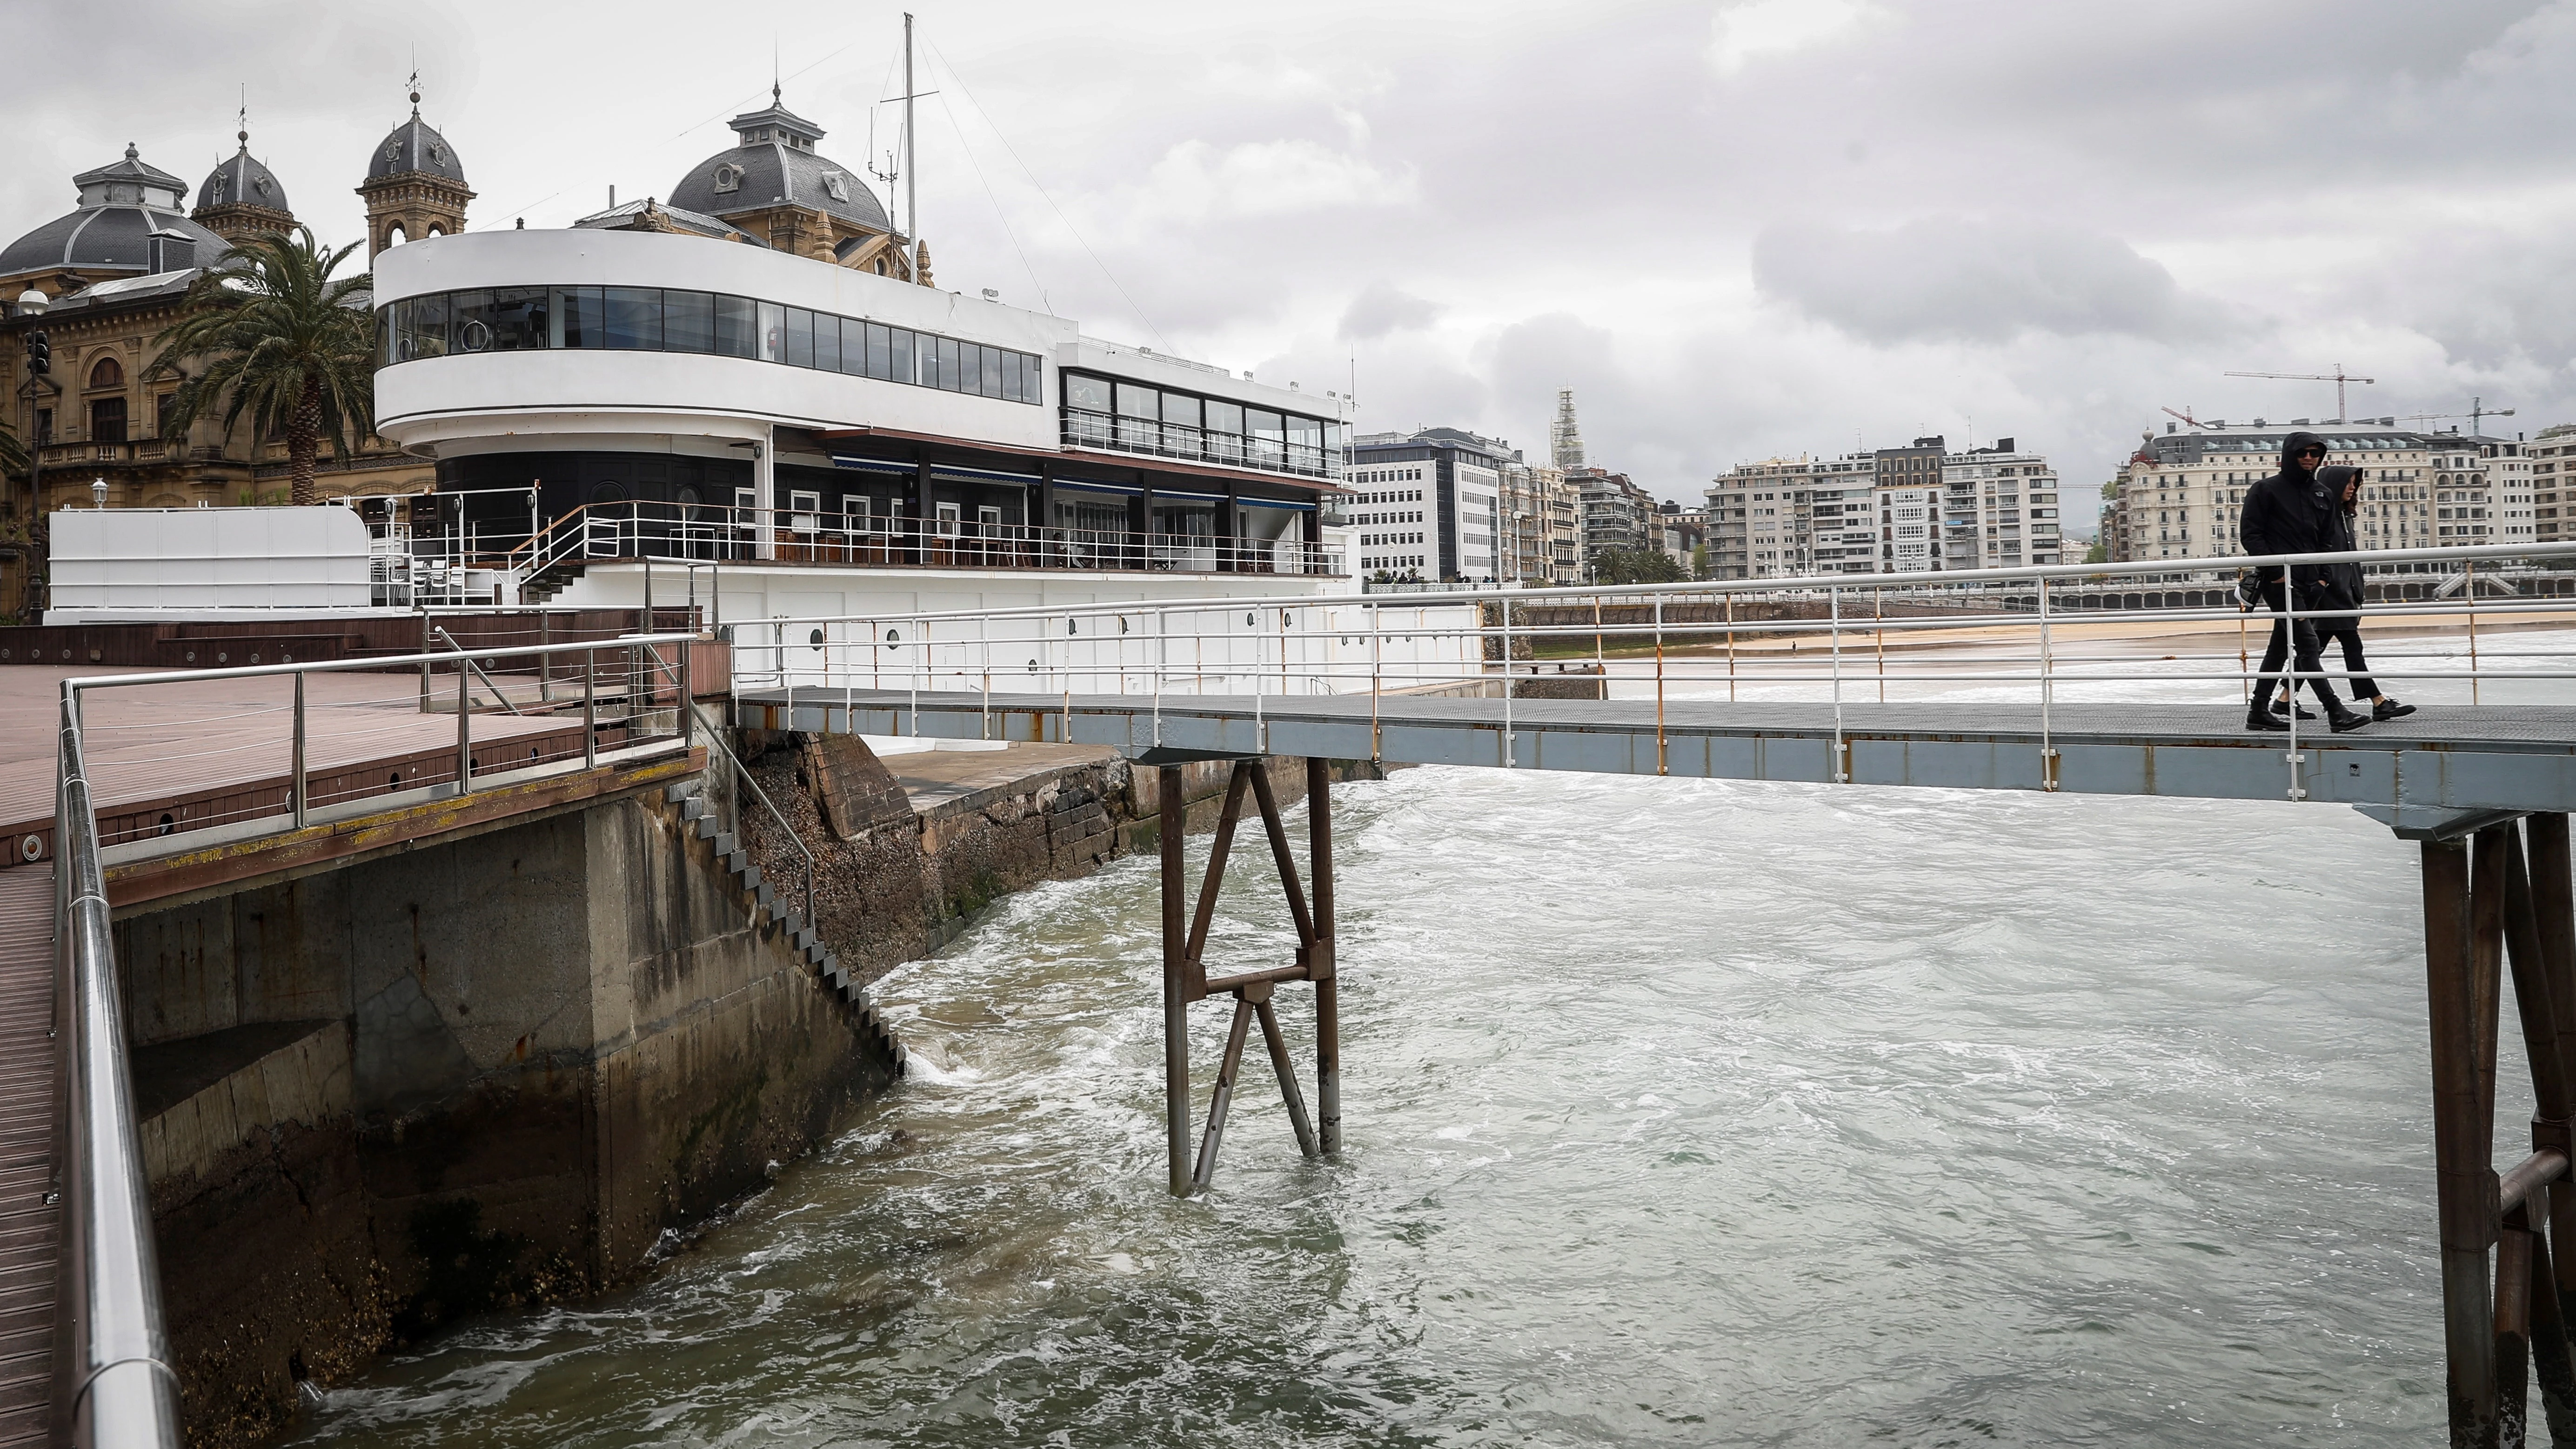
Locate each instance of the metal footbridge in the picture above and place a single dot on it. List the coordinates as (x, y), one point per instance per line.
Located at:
(1986, 680)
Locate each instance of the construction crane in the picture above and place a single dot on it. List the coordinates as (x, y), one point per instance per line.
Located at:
(2338, 377)
(2186, 416)
(2478, 410)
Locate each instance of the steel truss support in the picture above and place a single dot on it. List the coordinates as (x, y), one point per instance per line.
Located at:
(2499, 898)
(1185, 978)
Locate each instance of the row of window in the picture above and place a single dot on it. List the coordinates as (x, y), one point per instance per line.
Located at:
(1130, 417)
(656, 319)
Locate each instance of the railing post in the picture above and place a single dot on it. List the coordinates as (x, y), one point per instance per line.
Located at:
(590, 708)
(296, 788)
(1661, 763)
(545, 662)
(688, 700)
(2047, 694)
(1842, 760)
(1509, 739)
(464, 729)
(2290, 673)
(2468, 586)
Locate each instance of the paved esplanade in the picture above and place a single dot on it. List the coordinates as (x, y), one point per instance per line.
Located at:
(2441, 761)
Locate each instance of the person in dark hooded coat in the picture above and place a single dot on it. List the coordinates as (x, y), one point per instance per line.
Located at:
(2343, 593)
(2291, 512)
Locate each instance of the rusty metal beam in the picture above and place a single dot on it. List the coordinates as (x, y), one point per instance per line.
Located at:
(2514, 1249)
(1278, 833)
(1223, 1099)
(1195, 987)
(1284, 1069)
(2550, 1364)
(1328, 1018)
(2465, 1182)
(1174, 819)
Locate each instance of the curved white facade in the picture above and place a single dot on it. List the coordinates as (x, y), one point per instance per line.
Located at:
(484, 401)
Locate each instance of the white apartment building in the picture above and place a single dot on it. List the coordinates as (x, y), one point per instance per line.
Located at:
(1998, 509)
(1913, 509)
(2182, 494)
(2553, 483)
(1430, 504)
(1909, 527)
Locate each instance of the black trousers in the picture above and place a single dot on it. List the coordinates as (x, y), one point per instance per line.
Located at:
(2299, 645)
(2347, 630)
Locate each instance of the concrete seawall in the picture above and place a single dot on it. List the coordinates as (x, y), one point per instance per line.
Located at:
(476, 1074)
(503, 1067)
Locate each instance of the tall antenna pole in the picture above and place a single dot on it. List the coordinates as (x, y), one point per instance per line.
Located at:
(911, 172)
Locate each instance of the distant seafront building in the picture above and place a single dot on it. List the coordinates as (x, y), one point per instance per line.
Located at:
(2553, 484)
(2181, 494)
(1911, 509)
(1564, 439)
(115, 271)
(1430, 503)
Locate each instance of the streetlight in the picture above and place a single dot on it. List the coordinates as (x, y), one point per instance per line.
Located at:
(98, 493)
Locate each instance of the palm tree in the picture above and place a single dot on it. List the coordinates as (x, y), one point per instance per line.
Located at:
(267, 334)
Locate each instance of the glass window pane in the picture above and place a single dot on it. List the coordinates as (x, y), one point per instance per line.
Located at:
(737, 327)
(469, 321)
(1086, 393)
(1224, 417)
(880, 350)
(773, 332)
(1033, 375)
(580, 317)
(970, 367)
(688, 322)
(992, 372)
(1011, 375)
(827, 342)
(1305, 432)
(635, 318)
(1180, 407)
(389, 321)
(952, 363)
(800, 337)
(1139, 402)
(428, 336)
(903, 360)
(518, 319)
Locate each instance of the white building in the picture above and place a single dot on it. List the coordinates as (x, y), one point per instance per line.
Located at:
(1429, 504)
(1891, 510)
(1998, 509)
(2181, 495)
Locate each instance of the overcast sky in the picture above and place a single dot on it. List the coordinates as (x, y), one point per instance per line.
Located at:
(1735, 229)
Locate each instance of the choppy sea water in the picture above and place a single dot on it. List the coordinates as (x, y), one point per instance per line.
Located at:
(1677, 1113)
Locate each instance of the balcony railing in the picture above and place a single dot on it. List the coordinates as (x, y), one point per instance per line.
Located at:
(600, 533)
(1198, 445)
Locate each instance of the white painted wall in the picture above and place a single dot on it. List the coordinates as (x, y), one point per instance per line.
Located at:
(165, 559)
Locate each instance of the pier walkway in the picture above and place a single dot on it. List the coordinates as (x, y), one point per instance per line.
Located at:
(2448, 759)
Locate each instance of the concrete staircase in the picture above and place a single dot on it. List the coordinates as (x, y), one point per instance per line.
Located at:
(704, 823)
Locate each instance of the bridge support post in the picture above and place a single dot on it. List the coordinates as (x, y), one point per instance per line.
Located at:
(1173, 821)
(1185, 978)
(2504, 1319)
(1328, 1006)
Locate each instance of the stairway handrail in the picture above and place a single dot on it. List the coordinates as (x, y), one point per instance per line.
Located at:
(742, 776)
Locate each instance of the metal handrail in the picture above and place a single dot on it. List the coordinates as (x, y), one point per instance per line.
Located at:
(114, 1386)
(742, 778)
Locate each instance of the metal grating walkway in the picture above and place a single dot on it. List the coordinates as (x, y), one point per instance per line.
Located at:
(27, 1112)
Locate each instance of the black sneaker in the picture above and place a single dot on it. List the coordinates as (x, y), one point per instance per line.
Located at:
(2263, 721)
(2282, 708)
(2344, 721)
(2388, 709)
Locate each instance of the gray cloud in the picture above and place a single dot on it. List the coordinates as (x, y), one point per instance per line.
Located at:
(1957, 278)
(1380, 309)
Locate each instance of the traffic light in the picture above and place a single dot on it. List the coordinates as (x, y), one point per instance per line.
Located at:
(40, 354)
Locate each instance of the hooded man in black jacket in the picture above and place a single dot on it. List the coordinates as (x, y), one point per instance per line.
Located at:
(2292, 512)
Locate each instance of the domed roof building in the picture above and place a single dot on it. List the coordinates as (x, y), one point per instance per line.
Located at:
(415, 186)
(242, 197)
(128, 224)
(774, 189)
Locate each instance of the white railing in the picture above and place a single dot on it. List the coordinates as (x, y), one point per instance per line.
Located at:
(2005, 634)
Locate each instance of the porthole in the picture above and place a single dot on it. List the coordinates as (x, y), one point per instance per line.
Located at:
(31, 848)
(1070, 627)
(394, 780)
(474, 336)
(1249, 621)
(169, 822)
(894, 636)
(221, 656)
(815, 639)
(192, 656)
(254, 659)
